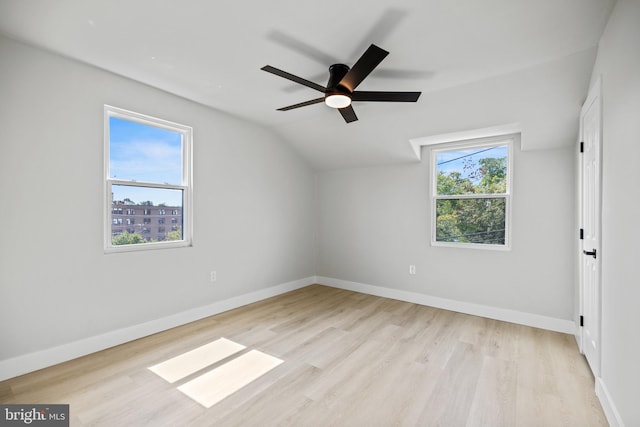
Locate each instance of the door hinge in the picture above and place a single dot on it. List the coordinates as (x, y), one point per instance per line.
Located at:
(582, 147)
(582, 234)
(581, 320)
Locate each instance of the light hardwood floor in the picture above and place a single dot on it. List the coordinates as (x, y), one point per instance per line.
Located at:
(349, 359)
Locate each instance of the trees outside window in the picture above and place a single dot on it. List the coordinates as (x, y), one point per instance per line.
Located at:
(471, 195)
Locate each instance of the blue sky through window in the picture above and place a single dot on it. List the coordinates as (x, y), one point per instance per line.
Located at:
(455, 160)
(144, 153)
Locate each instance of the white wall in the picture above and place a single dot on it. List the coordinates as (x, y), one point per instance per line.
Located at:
(374, 222)
(253, 208)
(618, 63)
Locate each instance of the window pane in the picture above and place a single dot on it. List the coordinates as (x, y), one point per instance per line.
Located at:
(146, 153)
(143, 210)
(471, 220)
(479, 170)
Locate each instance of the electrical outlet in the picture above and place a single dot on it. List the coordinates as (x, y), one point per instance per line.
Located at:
(412, 269)
(213, 276)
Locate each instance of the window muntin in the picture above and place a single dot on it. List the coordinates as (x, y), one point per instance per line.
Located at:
(147, 170)
(471, 194)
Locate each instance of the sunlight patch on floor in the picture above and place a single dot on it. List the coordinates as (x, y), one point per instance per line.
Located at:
(192, 361)
(210, 388)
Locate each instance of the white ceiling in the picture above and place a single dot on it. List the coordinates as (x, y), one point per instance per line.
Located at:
(479, 63)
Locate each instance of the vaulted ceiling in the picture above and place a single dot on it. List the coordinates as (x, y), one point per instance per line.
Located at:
(478, 63)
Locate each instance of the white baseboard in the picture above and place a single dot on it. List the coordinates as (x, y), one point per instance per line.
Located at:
(20, 365)
(512, 316)
(609, 409)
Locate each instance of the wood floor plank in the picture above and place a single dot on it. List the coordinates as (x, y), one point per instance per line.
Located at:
(457, 386)
(349, 359)
(495, 405)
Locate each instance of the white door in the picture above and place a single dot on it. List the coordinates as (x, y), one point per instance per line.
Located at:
(591, 126)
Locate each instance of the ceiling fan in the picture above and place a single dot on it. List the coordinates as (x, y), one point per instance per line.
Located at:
(340, 90)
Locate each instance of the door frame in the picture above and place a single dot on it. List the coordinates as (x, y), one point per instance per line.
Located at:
(594, 95)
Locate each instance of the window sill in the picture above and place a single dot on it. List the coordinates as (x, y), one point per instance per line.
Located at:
(147, 246)
(478, 246)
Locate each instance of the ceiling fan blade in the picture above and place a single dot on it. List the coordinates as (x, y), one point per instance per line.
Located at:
(302, 104)
(296, 88)
(363, 67)
(385, 96)
(348, 114)
(289, 76)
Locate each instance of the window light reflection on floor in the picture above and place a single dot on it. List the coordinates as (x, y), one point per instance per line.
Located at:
(219, 383)
(192, 361)
(210, 388)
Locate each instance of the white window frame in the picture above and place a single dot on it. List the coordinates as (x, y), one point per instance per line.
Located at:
(186, 185)
(477, 143)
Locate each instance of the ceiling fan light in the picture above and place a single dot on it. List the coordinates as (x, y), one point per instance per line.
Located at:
(337, 101)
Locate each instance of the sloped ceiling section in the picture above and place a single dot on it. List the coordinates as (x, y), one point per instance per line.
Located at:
(478, 63)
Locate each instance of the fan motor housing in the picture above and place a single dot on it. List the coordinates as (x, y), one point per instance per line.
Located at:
(336, 73)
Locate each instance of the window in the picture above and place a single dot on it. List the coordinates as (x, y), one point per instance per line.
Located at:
(471, 194)
(147, 164)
